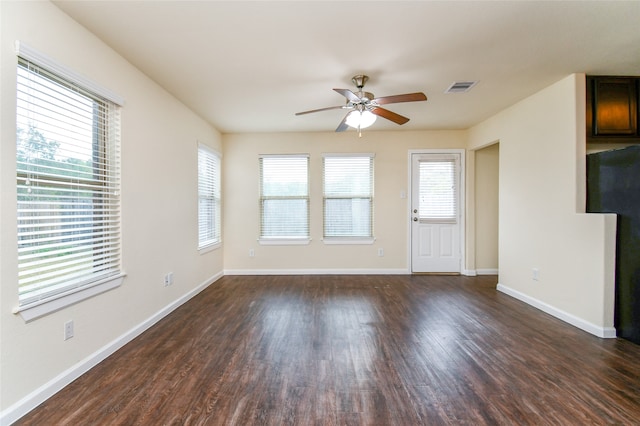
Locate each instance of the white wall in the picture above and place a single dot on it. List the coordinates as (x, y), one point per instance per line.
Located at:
(159, 210)
(542, 223)
(241, 195)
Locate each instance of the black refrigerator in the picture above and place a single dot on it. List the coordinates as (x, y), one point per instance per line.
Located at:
(613, 186)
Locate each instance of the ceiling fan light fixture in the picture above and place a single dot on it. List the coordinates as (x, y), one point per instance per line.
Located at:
(360, 119)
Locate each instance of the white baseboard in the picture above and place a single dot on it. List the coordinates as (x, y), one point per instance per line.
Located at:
(603, 332)
(316, 272)
(476, 272)
(44, 392)
(466, 272)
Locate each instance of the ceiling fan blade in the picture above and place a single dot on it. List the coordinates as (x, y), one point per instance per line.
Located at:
(321, 109)
(389, 115)
(343, 124)
(408, 97)
(348, 94)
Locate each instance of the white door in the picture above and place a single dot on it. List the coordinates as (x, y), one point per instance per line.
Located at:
(435, 212)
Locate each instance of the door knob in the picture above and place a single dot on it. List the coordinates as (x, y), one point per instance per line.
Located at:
(415, 210)
(415, 219)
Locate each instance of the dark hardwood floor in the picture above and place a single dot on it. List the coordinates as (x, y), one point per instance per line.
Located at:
(361, 350)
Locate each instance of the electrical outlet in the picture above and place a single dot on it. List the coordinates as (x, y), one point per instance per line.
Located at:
(168, 279)
(380, 252)
(252, 253)
(68, 330)
(535, 274)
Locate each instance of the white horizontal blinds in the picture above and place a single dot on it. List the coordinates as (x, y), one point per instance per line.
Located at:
(438, 200)
(284, 196)
(208, 197)
(348, 196)
(68, 181)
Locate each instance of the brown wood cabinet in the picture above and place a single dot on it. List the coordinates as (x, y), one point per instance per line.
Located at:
(612, 108)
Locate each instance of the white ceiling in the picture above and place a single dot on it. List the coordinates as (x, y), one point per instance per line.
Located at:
(249, 66)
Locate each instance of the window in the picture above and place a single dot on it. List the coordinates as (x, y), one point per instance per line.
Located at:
(208, 197)
(284, 198)
(438, 183)
(68, 179)
(348, 197)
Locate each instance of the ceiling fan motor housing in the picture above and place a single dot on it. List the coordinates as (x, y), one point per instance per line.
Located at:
(365, 96)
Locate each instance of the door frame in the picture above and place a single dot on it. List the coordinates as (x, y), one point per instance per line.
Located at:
(463, 204)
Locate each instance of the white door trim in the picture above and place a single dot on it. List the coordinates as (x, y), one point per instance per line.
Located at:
(463, 205)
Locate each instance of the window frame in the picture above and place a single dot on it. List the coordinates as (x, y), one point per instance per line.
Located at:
(264, 198)
(64, 292)
(212, 193)
(447, 200)
(349, 239)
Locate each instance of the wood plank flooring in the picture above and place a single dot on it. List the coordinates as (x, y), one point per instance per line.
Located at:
(356, 350)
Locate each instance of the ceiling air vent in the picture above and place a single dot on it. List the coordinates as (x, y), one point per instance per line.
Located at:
(460, 86)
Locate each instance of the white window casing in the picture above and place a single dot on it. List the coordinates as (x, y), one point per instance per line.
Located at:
(348, 190)
(438, 186)
(284, 199)
(209, 199)
(68, 187)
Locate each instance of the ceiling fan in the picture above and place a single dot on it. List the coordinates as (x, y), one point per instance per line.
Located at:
(365, 108)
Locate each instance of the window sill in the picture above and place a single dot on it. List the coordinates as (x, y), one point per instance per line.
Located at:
(353, 241)
(209, 247)
(46, 306)
(284, 241)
